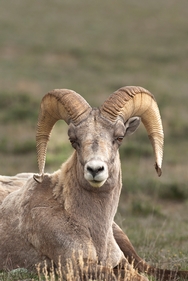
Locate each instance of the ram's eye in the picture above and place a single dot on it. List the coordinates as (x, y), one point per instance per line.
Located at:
(119, 139)
(74, 143)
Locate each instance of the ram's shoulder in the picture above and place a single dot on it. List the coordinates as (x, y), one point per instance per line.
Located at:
(8, 184)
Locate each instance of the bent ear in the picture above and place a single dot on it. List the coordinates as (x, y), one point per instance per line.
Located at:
(131, 125)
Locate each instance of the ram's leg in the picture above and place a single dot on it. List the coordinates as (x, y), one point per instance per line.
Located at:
(90, 270)
(123, 272)
(126, 272)
(138, 263)
(128, 249)
(131, 255)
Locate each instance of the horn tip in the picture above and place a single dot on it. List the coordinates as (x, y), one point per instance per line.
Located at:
(158, 170)
(38, 178)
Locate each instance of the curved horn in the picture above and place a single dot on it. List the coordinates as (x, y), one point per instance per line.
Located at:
(136, 101)
(59, 104)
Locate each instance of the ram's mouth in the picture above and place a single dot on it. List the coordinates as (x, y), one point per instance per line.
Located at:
(95, 183)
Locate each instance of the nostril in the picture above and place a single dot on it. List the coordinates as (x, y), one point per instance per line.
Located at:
(89, 169)
(94, 171)
(100, 169)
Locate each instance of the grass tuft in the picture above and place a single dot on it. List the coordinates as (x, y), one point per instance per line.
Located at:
(17, 275)
(174, 191)
(16, 107)
(7, 147)
(144, 208)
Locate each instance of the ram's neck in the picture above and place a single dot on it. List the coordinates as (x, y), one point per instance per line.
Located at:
(92, 209)
(93, 205)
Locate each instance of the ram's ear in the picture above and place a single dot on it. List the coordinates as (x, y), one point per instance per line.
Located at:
(131, 125)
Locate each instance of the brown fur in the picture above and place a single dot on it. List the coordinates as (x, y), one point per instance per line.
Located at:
(65, 215)
(122, 240)
(10, 184)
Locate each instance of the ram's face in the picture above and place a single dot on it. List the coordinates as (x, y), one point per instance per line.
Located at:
(96, 141)
(97, 133)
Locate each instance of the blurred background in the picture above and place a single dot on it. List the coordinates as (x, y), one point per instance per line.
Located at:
(94, 48)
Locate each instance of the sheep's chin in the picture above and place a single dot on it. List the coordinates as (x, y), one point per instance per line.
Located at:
(96, 184)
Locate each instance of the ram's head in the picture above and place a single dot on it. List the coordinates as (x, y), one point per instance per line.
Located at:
(96, 134)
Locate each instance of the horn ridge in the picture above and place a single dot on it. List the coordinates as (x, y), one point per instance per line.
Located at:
(59, 104)
(113, 106)
(74, 105)
(136, 101)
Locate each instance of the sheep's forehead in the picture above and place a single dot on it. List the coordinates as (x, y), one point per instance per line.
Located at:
(95, 126)
(95, 136)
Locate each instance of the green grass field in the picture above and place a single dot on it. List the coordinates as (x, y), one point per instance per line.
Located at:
(94, 48)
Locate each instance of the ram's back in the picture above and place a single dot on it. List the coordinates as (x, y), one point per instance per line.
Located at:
(9, 184)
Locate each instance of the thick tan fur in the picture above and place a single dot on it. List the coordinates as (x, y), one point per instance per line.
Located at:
(55, 217)
(42, 222)
(17, 182)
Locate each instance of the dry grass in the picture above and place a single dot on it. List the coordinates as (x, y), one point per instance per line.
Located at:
(76, 269)
(95, 47)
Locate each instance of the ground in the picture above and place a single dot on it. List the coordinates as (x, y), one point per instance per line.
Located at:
(94, 48)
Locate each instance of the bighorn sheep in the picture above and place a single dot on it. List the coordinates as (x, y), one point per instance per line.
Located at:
(72, 210)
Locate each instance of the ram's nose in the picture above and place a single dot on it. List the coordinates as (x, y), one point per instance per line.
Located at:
(96, 173)
(95, 170)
